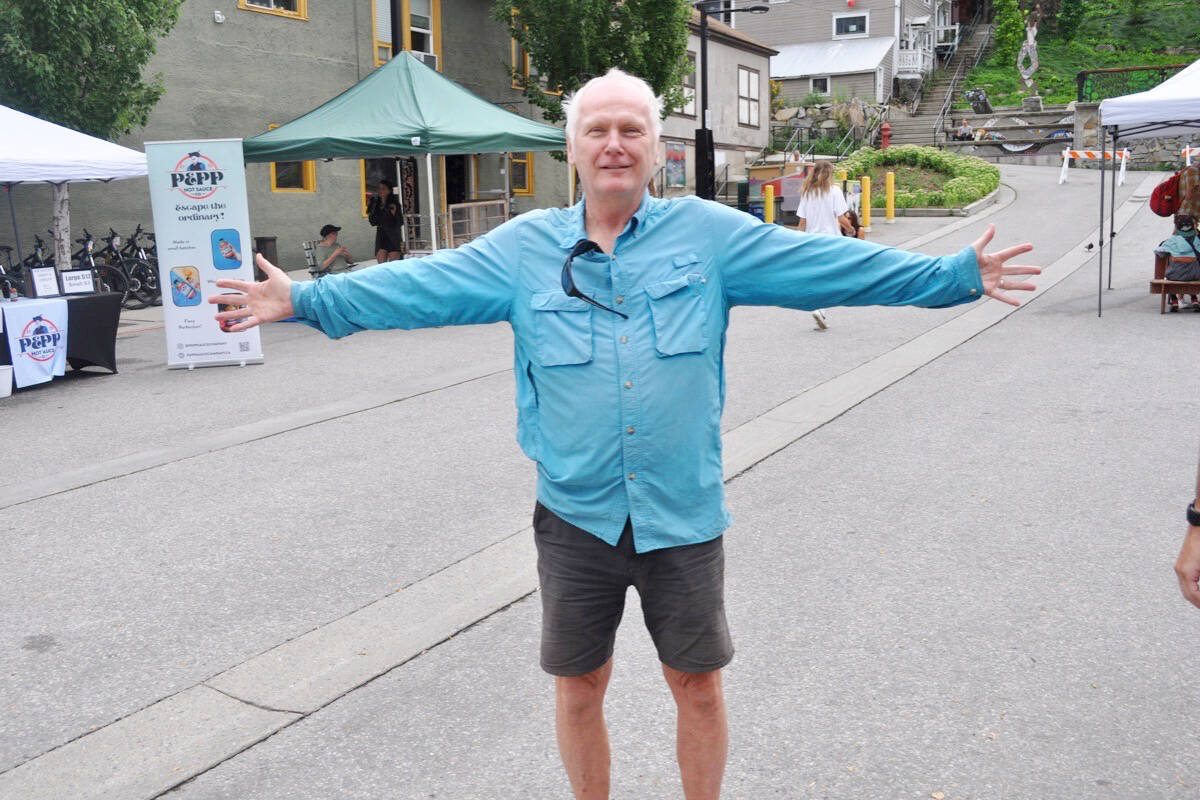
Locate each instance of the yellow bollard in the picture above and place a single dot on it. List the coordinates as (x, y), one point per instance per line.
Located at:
(842, 175)
(768, 203)
(865, 217)
(890, 198)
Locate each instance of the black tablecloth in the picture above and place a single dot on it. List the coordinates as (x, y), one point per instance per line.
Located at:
(91, 331)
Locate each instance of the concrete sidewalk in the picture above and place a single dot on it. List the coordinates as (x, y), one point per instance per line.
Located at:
(913, 536)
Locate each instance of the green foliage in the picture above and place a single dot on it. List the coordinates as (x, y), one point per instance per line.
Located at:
(1070, 15)
(79, 64)
(571, 41)
(970, 178)
(1009, 31)
(814, 99)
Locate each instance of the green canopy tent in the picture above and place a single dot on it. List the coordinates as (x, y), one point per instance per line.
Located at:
(403, 108)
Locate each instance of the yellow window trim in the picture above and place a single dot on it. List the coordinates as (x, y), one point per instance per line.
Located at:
(528, 162)
(301, 12)
(435, 25)
(524, 66)
(362, 180)
(308, 175)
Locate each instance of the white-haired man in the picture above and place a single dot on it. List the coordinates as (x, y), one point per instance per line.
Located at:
(618, 307)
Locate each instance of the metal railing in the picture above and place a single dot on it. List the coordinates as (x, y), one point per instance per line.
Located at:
(1093, 85)
(469, 221)
(939, 127)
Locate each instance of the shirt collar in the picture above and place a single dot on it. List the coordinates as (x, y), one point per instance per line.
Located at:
(577, 228)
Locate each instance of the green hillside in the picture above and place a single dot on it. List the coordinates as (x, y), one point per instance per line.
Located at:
(1114, 33)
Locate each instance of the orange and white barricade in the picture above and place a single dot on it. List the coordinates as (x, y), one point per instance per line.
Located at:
(1096, 154)
(1187, 154)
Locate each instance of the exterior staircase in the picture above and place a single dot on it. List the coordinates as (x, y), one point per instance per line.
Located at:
(919, 127)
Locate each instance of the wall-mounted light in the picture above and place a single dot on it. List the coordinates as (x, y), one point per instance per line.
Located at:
(218, 17)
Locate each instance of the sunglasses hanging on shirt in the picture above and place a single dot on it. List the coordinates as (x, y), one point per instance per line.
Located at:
(568, 280)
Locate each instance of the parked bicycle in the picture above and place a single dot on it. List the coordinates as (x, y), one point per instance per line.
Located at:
(133, 249)
(138, 273)
(12, 277)
(110, 278)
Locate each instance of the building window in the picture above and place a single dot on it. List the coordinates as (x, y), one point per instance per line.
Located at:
(748, 96)
(819, 85)
(293, 176)
(296, 9)
(849, 26)
(420, 26)
(381, 24)
(689, 88)
(522, 65)
(520, 172)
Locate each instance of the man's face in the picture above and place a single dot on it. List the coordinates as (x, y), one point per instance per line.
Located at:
(614, 147)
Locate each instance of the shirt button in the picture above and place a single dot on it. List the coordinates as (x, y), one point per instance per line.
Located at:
(624, 340)
(633, 476)
(629, 430)
(972, 291)
(628, 384)
(620, 298)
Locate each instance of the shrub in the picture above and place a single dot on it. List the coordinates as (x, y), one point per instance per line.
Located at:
(970, 178)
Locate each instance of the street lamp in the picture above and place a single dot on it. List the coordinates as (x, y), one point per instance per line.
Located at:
(705, 155)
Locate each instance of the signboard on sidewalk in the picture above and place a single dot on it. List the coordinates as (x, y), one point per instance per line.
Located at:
(202, 227)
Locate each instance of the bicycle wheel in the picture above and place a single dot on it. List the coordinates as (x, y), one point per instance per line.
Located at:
(141, 284)
(152, 281)
(113, 280)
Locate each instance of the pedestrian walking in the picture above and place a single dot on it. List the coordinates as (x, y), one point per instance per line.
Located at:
(618, 307)
(822, 210)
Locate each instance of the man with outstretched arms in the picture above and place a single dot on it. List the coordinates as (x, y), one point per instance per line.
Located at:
(618, 307)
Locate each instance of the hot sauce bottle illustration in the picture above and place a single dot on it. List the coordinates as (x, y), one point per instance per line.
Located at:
(185, 286)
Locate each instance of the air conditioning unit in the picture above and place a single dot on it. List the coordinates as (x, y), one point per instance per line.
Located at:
(428, 59)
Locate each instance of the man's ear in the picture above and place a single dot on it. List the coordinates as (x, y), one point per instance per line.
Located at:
(570, 152)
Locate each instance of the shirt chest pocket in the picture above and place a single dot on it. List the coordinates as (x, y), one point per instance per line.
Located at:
(562, 329)
(677, 308)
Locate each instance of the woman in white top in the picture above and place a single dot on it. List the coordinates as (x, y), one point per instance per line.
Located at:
(822, 209)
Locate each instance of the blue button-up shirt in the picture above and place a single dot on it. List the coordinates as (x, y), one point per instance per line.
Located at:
(623, 416)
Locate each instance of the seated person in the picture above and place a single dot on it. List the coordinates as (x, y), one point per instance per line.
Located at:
(853, 227)
(329, 251)
(964, 133)
(1184, 253)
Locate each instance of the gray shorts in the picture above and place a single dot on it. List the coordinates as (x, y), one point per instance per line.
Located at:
(583, 583)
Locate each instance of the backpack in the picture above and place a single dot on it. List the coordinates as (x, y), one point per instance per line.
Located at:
(1164, 200)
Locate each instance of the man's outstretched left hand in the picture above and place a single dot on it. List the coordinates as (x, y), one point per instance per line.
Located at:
(996, 276)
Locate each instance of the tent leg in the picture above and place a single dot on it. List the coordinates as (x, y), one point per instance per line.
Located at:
(12, 210)
(1112, 207)
(1100, 263)
(433, 204)
(508, 183)
(403, 210)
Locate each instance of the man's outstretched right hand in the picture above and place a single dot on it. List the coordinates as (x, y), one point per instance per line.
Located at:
(258, 301)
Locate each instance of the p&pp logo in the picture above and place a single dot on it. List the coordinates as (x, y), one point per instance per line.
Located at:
(40, 339)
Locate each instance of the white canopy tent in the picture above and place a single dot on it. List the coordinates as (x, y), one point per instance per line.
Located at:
(33, 150)
(1170, 109)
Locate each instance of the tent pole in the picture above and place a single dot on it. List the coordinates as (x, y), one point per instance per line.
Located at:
(1112, 207)
(433, 204)
(1100, 263)
(13, 211)
(508, 183)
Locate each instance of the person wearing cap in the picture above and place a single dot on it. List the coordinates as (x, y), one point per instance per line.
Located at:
(618, 307)
(329, 251)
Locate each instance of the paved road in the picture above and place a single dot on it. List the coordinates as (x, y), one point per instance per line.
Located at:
(958, 583)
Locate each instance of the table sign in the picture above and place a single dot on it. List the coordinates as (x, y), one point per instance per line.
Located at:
(45, 282)
(202, 227)
(78, 281)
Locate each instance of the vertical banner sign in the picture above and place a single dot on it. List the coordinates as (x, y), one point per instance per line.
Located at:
(202, 227)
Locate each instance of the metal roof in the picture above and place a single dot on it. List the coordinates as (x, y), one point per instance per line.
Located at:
(836, 57)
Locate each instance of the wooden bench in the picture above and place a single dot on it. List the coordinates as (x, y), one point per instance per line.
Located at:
(1163, 287)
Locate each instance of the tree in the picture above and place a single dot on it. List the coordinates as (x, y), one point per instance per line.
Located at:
(1009, 30)
(1070, 15)
(79, 65)
(572, 41)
